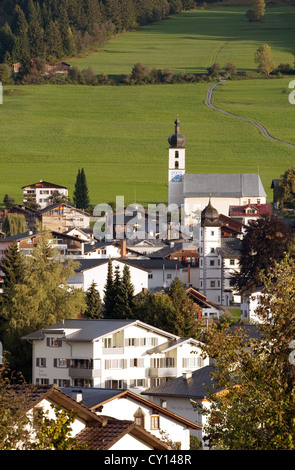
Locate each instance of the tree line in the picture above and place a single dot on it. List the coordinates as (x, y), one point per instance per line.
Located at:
(53, 29)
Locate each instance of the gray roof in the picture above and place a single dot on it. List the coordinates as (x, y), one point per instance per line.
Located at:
(230, 248)
(223, 185)
(194, 387)
(92, 396)
(90, 330)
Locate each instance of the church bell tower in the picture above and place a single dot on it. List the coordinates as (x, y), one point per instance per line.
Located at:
(176, 166)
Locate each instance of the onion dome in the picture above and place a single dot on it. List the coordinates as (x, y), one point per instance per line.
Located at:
(176, 140)
(210, 216)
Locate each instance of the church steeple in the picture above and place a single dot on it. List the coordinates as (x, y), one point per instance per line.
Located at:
(176, 140)
(176, 166)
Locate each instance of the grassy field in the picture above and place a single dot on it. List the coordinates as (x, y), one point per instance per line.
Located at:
(119, 134)
(194, 40)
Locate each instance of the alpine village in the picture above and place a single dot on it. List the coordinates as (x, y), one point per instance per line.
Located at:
(138, 325)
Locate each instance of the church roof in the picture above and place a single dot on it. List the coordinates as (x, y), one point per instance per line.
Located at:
(223, 185)
(176, 140)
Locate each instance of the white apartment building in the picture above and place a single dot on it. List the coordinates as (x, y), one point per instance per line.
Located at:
(110, 354)
(42, 192)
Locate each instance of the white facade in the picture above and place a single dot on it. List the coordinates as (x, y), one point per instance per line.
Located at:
(249, 303)
(42, 192)
(210, 264)
(128, 354)
(98, 274)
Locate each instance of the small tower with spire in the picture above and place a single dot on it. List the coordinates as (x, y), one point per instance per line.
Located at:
(210, 279)
(176, 169)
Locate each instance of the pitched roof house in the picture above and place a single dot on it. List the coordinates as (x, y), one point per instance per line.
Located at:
(94, 431)
(182, 392)
(110, 354)
(42, 191)
(60, 217)
(127, 405)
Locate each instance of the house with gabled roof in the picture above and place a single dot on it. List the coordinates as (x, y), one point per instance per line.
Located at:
(42, 191)
(182, 393)
(93, 431)
(127, 405)
(60, 217)
(127, 354)
(27, 241)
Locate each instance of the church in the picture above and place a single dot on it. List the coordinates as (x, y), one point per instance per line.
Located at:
(192, 191)
(204, 197)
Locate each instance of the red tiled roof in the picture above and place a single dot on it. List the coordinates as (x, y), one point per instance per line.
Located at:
(104, 437)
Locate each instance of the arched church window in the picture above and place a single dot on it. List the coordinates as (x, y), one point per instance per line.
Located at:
(176, 165)
(176, 154)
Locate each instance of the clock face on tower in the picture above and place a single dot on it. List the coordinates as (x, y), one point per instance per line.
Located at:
(176, 177)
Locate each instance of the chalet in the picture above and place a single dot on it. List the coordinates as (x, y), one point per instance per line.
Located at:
(61, 67)
(65, 244)
(42, 192)
(96, 432)
(250, 212)
(210, 310)
(127, 354)
(153, 418)
(60, 217)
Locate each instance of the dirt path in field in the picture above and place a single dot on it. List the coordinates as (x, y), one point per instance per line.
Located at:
(262, 129)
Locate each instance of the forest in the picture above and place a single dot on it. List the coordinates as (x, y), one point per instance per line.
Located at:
(53, 30)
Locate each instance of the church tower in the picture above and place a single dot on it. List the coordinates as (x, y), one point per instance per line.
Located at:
(176, 166)
(210, 263)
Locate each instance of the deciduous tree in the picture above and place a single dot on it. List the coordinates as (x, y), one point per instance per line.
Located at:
(263, 57)
(254, 408)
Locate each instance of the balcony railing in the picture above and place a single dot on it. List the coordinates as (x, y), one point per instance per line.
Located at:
(163, 372)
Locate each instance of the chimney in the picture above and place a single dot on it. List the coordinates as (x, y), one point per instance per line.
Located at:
(186, 375)
(77, 396)
(123, 249)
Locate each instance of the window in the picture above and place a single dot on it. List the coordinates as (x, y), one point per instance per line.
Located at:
(176, 154)
(61, 363)
(212, 250)
(212, 233)
(155, 422)
(139, 417)
(232, 262)
(137, 362)
(107, 342)
(42, 381)
(150, 276)
(54, 342)
(169, 276)
(212, 262)
(115, 363)
(176, 164)
(115, 384)
(212, 283)
(40, 361)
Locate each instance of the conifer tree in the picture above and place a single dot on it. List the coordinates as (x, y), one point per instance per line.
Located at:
(35, 32)
(108, 299)
(80, 196)
(93, 302)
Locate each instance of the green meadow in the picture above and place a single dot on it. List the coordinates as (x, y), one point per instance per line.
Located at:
(118, 134)
(194, 40)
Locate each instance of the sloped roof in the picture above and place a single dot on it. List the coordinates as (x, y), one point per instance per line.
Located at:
(82, 329)
(94, 398)
(223, 185)
(195, 386)
(104, 437)
(230, 247)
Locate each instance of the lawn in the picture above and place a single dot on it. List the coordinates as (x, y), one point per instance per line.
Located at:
(119, 135)
(194, 40)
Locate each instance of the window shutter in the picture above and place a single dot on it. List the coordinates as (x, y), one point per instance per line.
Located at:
(37, 361)
(54, 362)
